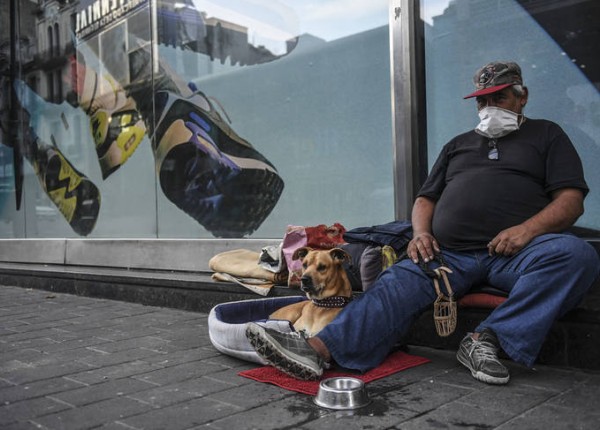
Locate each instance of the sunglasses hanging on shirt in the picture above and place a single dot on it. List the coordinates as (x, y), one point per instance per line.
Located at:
(493, 152)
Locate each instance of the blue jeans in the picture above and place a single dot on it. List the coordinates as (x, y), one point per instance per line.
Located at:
(544, 280)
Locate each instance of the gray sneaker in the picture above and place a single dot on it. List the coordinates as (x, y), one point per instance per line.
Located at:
(481, 358)
(288, 352)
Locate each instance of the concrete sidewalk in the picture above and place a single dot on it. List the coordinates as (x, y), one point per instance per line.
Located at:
(70, 362)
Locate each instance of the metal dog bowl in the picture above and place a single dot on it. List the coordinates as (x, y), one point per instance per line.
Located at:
(342, 393)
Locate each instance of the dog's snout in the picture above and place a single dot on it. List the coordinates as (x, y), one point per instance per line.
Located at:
(306, 283)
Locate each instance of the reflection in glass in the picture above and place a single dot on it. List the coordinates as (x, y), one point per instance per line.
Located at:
(229, 100)
(554, 43)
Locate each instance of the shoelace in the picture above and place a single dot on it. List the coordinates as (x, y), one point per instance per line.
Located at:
(484, 350)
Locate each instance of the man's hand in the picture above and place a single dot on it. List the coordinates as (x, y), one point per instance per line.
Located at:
(562, 212)
(423, 245)
(510, 241)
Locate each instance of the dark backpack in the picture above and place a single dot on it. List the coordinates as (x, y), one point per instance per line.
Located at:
(373, 249)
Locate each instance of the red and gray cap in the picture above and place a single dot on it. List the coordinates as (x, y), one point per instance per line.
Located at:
(495, 77)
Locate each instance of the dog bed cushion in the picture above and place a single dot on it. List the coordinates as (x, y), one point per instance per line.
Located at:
(227, 324)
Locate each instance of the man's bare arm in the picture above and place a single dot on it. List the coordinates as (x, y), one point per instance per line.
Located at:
(423, 243)
(561, 213)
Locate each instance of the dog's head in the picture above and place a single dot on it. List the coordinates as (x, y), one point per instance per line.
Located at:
(323, 274)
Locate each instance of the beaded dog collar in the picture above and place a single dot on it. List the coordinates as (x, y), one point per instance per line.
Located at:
(332, 302)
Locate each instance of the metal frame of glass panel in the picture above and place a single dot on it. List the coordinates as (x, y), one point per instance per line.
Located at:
(408, 103)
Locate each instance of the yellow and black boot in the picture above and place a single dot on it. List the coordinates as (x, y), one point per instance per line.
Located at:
(75, 196)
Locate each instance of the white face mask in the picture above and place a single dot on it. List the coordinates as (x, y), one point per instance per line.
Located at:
(496, 122)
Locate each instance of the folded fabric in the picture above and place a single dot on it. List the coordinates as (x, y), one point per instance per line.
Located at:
(240, 263)
(258, 286)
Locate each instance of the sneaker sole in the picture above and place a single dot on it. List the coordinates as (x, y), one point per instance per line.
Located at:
(228, 187)
(226, 202)
(291, 366)
(480, 376)
(76, 197)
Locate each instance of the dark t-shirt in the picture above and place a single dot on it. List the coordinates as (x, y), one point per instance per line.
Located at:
(476, 197)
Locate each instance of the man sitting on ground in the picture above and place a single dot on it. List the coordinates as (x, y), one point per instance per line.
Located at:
(495, 206)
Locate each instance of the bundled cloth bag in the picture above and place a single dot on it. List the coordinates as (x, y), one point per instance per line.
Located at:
(316, 237)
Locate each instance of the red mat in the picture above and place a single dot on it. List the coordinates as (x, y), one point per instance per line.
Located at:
(396, 362)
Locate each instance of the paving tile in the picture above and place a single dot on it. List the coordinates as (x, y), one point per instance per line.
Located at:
(182, 356)
(36, 373)
(513, 398)
(11, 322)
(4, 383)
(581, 398)
(15, 393)
(410, 376)
(193, 341)
(21, 425)
(550, 378)
(148, 342)
(553, 417)
(458, 376)
(182, 415)
(457, 416)
(114, 426)
(289, 412)
(80, 342)
(37, 344)
(24, 328)
(185, 334)
(229, 362)
(425, 395)
(230, 376)
(180, 372)
(249, 396)
(116, 333)
(56, 358)
(116, 371)
(24, 411)
(179, 392)
(377, 415)
(93, 415)
(12, 365)
(97, 358)
(79, 396)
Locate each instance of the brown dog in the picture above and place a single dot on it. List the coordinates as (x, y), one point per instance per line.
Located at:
(325, 283)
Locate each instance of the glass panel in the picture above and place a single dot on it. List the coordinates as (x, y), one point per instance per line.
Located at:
(192, 118)
(555, 43)
(308, 87)
(16, 48)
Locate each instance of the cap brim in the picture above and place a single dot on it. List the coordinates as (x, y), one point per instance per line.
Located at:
(487, 91)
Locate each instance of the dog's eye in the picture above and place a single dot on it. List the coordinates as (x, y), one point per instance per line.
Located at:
(321, 267)
(304, 265)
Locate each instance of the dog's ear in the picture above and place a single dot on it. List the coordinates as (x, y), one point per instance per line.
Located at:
(339, 254)
(300, 253)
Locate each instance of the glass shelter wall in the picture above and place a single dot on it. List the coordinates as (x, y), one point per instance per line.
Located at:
(193, 119)
(554, 41)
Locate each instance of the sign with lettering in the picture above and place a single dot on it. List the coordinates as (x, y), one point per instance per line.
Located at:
(96, 15)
